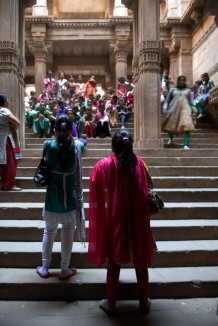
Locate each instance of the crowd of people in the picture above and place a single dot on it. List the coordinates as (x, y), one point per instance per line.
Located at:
(92, 114)
(119, 211)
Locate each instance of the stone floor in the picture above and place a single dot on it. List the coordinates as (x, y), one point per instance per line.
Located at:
(188, 312)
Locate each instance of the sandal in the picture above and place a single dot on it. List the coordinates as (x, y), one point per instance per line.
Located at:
(109, 309)
(41, 274)
(145, 308)
(14, 188)
(64, 275)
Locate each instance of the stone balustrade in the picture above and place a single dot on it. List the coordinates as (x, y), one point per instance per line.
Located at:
(213, 105)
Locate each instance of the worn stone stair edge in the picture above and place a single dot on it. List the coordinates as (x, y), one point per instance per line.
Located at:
(166, 246)
(89, 284)
(39, 224)
(26, 205)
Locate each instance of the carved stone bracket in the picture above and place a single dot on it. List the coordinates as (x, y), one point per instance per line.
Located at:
(122, 37)
(196, 15)
(149, 56)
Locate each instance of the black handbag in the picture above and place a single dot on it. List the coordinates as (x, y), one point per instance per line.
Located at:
(43, 174)
(155, 201)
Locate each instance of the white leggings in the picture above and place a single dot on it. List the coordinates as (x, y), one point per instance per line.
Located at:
(67, 234)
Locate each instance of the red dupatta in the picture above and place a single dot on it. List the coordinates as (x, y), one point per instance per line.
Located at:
(119, 214)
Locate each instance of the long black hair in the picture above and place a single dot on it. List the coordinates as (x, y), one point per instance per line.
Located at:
(63, 128)
(3, 99)
(178, 79)
(122, 146)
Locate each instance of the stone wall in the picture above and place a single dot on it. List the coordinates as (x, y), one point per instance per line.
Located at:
(205, 49)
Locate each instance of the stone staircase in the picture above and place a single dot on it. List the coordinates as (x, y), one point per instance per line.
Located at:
(186, 231)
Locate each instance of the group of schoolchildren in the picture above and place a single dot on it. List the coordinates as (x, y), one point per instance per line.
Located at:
(93, 115)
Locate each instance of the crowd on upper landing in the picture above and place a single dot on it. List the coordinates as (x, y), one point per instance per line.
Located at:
(93, 114)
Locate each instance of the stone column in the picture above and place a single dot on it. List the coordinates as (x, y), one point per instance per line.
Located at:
(39, 49)
(40, 69)
(40, 9)
(12, 56)
(38, 45)
(147, 68)
(174, 65)
(121, 50)
(119, 9)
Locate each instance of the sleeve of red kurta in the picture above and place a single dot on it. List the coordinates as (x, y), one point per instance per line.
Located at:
(97, 220)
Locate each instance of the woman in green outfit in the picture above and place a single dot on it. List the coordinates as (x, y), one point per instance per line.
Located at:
(179, 104)
(64, 197)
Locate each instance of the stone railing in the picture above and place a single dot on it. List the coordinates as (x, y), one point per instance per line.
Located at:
(213, 105)
(214, 95)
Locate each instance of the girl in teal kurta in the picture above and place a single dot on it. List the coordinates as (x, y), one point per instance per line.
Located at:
(64, 197)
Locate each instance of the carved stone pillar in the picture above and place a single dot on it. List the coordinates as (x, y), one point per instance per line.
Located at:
(147, 68)
(39, 49)
(174, 65)
(112, 64)
(40, 9)
(185, 59)
(119, 9)
(12, 56)
(40, 69)
(121, 50)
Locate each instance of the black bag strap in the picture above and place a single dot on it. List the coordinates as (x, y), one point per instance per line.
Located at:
(150, 181)
(46, 148)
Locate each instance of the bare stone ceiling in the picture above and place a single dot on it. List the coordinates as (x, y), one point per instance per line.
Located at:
(80, 48)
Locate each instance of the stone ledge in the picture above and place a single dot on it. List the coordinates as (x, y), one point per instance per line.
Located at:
(77, 23)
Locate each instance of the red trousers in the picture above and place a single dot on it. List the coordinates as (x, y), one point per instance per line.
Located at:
(8, 171)
(89, 130)
(113, 273)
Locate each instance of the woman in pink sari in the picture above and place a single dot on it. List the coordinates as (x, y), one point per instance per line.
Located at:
(119, 219)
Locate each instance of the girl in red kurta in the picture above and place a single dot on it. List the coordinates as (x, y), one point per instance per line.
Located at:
(119, 218)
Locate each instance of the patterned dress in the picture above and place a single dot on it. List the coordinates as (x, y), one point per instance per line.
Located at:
(179, 117)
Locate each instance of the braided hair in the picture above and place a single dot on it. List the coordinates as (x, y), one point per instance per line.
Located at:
(63, 128)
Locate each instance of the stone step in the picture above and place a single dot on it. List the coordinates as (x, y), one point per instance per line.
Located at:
(200, 133)
(150, 161)
(159, 182)
(173, 171)
(89, 284)
(167, 194)
(30, 134)
(171, 152)
(107, 141)
(38, 142)
(176, 145)
(170, 254)
(180, 145)
(167, 230)
(171, 211)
